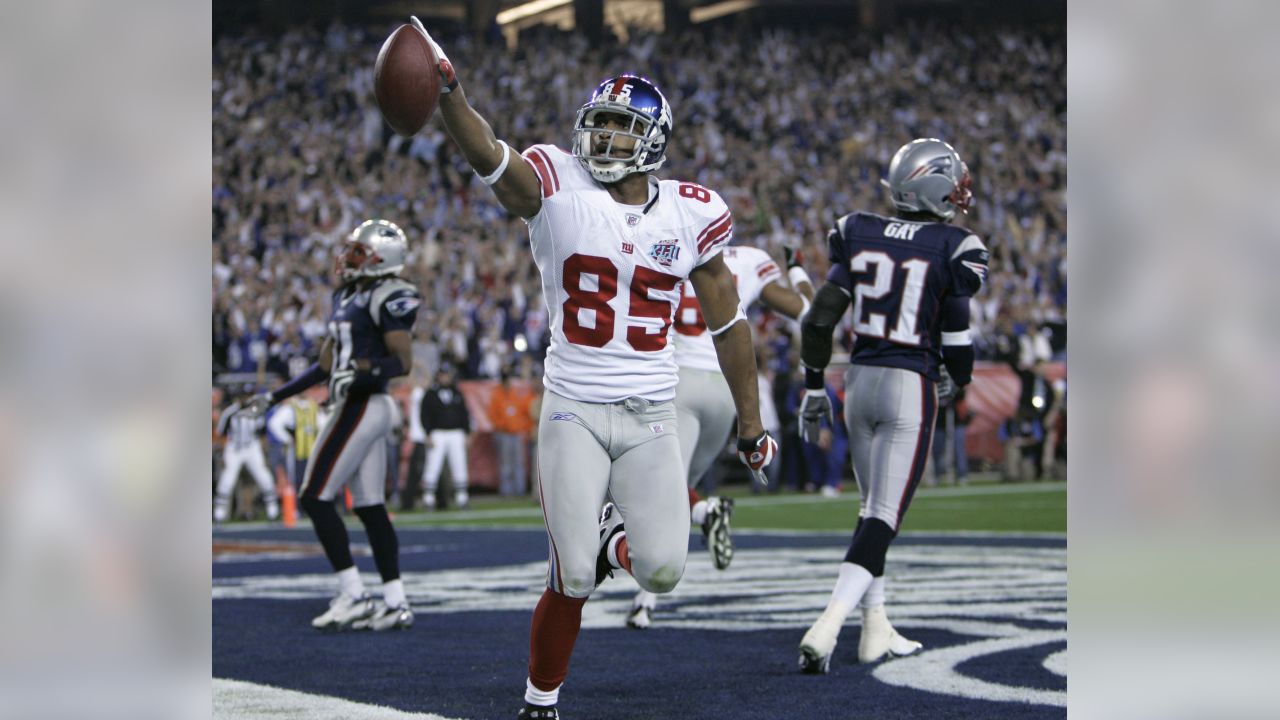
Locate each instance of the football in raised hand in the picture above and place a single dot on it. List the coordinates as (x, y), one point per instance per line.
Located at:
(406, 80)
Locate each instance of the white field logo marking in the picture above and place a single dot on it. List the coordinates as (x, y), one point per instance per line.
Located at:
(988, 593)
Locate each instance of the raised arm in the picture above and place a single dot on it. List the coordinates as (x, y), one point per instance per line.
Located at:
(513, 181)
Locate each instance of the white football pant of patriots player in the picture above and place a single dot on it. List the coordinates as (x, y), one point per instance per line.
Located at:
(368, 344)
(614, 244)
(909, 279)
(704, 403)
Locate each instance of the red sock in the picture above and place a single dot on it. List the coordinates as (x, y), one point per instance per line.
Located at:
(693, 497)
(552, 636)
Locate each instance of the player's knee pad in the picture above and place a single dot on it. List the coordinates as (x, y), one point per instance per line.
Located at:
(870, 545)
(576, 584)
(662, 579)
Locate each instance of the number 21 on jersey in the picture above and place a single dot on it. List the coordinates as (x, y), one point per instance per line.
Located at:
(869, 295)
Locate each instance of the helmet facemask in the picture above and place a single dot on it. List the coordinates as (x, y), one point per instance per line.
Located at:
(646, 122)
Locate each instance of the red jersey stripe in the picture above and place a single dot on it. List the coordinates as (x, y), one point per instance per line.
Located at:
(712, 225)
(721, 232)
(555, 177)
(540, 166)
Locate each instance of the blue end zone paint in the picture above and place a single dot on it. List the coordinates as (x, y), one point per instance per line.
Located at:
(471, 664)
(1024, 665)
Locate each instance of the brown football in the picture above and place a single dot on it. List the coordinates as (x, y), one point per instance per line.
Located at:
(406, 81)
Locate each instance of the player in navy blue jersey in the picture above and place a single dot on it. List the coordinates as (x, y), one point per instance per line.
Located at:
(368, 344)
(909, 278)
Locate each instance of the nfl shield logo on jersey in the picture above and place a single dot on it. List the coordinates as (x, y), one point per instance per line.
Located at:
(665, 252)
(633, 219)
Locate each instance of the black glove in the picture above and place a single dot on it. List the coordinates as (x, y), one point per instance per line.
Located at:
(792, 256)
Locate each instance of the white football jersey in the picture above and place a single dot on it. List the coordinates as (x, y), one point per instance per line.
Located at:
(752, 269)
(612, 277)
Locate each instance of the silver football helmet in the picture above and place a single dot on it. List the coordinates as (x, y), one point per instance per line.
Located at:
(376, 247)
(927, 175)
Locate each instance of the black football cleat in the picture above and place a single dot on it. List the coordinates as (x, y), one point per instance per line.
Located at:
(538, 712)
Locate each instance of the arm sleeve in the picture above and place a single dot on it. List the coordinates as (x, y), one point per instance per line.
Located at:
(819, 324)
(225, 417)
(957, 346)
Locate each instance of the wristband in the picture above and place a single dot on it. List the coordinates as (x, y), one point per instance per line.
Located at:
(494, 176)
(739, 316)
(797, 275)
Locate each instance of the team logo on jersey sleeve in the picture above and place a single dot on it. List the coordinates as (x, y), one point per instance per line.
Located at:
(403, 305)
(665, 252)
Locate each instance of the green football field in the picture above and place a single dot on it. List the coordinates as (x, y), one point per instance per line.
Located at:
(984, 505)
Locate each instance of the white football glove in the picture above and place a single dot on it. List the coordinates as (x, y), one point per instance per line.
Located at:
(339, 384)
(448, 78)
(814, 407)
(257, 405)
(946, 386)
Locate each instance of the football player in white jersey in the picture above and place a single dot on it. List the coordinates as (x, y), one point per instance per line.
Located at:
(704, 405)
(615, 246)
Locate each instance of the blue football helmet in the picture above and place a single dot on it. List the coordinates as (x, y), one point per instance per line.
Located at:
(649, 115)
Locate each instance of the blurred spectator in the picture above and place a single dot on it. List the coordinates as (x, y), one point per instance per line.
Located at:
(953, 414)
(448, 424)
(300, 152)
(418, 439)
(826, 459)
(1023, 438)
(509, 411)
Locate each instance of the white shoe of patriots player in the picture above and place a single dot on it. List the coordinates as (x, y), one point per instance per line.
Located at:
(879, 638)
(343, 611)
(385, 618)
(818, 644)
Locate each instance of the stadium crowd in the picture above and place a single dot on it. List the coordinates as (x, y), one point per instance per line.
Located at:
(792, 127)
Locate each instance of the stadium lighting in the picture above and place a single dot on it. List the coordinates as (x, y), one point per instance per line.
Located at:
(729, 7)
(520, 343)
(528, 9)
